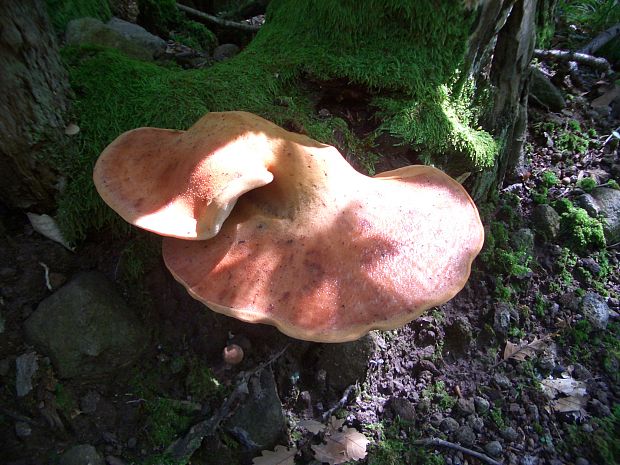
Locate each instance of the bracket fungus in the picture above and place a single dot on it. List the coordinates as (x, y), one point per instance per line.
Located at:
(271, 226)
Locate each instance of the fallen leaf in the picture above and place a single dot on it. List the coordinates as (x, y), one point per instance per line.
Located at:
(46, 226)
(575, 403)
(523, 351)
(334, 424)
(313, 426)
(280, 456)
(606, 99)
(567, 386)
(341, 446)
(72, 129)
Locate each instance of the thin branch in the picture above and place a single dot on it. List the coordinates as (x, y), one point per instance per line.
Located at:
(183, 448)
(450, 445)
(565, 55)
(218, 21)
(341, 403)
(601, 39)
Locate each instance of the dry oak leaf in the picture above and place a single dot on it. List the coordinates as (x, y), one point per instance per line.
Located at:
(341, 446)
(315, 427)
(523, 350)
(280, 456)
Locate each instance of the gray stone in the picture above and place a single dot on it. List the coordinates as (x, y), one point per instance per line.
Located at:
(88, 403)
(25, 367)
(83, 454)
(86, 328)
(449, 425)
(402, 408)
(464, 407)
(505, 315)
(138, 35)
(225, 51)
(476, 423)
(92, 31)
(529, 460)
(112, 460)
(523, 240)
(587, 202)
(260, 418)
(502, 381)
(346, 363)
(482, 405)
(22, 429)
(595, 309)
(510, 434)
(546, 222)
(544, 92)
(608, 202)
(466, 436)
(582, 461)
(494, 448)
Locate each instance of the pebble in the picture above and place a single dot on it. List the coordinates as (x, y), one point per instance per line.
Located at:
(476, 423)
(22, 429)
(465, 407)
(502, 381)
(529, 460)
(466, 436)
(449, 425)
(131, 443)
(595, 309)
(510, 434)
(112, 460)
(482, 405)
(88, 403)
(494, 448)
(581, 461)
(435, 419)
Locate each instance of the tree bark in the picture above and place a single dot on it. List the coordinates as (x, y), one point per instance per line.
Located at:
(34, 95)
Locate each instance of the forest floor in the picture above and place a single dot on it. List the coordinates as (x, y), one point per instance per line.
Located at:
(521, 366)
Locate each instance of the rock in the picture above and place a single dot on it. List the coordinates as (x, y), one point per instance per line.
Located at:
(591, 265)
(458, 335)
(465, 435)
(112, 460)
(260, 417)
(505, 315)
(608, 203)
(84, 454)
(225, 51)
(582, 461)
(544, 92)
(346, 363)
(449, 425)
(86, 328)
(502, 381)
(546, 222)
(88, 403)
(493, 448)
(464, 407)
(25, 366)
(587, 202)
(529, 460)
(92, 31)
(402, 408)
(510, 434)
(595, 309)
(22, 429)
(138, 35)
(482, 405)
(523, 240)
(476, 423)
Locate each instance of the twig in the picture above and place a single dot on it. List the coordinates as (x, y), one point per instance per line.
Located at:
(341, 403)
(47, 276)
(450, 445)
(183, 448)
(601, 39)
(577, 57)
(218, 21)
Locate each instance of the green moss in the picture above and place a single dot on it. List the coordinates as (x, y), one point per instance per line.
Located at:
(582, 233)
(165, 421)
(162, 17)
(587, 184)
(63, 11)
(408, 59)
(439, 396)
(201, 383)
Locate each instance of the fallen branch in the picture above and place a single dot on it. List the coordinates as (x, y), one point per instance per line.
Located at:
(450, 445)
(601, 39)
(182, 449)
(218, 21)
(341, 403)
(565, 55)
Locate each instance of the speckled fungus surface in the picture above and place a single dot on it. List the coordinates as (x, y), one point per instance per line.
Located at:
(270, 226)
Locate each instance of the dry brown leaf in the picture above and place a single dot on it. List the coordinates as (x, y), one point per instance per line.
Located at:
(341, 446)
(523, 351)
(567, 386)
(313, 426)
(606, 99)
(575, 403)
(280, 456)
(334, 424)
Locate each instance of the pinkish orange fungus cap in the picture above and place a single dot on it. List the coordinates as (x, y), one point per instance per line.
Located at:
(319, 250)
